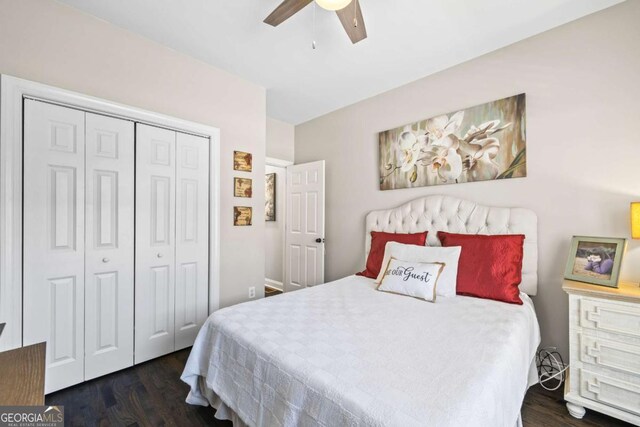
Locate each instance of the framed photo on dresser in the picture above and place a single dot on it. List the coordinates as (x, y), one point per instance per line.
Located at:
(595, 260)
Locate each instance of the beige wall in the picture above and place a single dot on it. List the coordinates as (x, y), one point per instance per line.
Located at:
(274, 244)
(280, 139)
(47, 42)
(583, 146)
(280, 146)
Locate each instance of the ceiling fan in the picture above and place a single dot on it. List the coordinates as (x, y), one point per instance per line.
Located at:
(350, 15)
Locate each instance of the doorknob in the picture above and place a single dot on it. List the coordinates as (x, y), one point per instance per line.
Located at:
(319, 240)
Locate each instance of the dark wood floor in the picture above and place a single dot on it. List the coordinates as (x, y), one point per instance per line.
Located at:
(269, 292)
(545, 408)
(151, 394)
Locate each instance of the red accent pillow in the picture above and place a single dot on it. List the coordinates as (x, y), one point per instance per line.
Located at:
(490, 267)
(378, 242)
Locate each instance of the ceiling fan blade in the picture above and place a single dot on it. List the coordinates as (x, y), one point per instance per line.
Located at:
(285, 10)
(347, 15)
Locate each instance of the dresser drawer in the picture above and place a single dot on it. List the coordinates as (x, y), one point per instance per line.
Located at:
(610, 354)
(609, 316)
(610, 391)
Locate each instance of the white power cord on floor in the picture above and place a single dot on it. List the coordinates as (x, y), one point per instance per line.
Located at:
(551, 368)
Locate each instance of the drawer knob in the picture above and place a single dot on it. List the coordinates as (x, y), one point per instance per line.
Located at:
(105, 260)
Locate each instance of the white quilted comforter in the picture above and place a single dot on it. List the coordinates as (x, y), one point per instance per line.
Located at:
(344, 354)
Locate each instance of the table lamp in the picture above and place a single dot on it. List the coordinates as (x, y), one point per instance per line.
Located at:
(635, 220)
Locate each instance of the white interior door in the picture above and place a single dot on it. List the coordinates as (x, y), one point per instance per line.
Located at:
(53, 263)
(192, 237)
(155, 242)
(109, 245)
(304, 247)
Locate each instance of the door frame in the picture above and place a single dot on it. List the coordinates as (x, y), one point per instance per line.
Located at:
(12, 92)
(280, 163)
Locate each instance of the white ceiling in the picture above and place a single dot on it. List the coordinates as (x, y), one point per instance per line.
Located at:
(408, 39)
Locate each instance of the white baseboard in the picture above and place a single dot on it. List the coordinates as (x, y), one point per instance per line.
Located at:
(274, 284)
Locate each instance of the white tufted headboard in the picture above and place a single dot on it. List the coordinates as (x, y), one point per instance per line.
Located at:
(444, 213)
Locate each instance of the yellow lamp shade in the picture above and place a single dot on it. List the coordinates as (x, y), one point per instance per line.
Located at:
(635, 220)
(333, 4)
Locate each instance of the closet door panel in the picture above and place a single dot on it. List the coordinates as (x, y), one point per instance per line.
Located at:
(155, 242)
(53, 264)
(192, 237)
(110, 153)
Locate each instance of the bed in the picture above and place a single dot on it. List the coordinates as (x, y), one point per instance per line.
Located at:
(343, 354)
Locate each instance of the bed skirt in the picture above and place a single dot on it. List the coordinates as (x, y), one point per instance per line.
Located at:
(208, 397)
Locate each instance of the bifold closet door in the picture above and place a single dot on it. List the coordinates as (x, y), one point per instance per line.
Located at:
(155, 242)
(109, 220)
(53, 262)
(192, 237)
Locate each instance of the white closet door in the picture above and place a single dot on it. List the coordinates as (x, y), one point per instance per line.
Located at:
(155, 242)
(109, 245)
(53, 265)
(192, 237)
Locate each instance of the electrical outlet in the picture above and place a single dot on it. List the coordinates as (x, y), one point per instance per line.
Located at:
(252, 292)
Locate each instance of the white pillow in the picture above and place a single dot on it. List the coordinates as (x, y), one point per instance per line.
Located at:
(449, 256)
(414, 279)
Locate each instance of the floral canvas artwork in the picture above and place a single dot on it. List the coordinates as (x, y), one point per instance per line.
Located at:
(270, 197)
(480, 143)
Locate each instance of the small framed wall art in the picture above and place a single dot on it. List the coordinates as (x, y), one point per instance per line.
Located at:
(242, 216)
(242, 187)
(242, 161)
(595, 260)
(270, 197)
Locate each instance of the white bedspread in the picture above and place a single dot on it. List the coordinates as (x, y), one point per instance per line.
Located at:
(344, 354)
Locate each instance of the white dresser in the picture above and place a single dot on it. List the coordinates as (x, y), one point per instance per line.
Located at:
(604, 339)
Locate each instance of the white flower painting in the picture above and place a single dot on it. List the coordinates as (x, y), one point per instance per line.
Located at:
(480, 143)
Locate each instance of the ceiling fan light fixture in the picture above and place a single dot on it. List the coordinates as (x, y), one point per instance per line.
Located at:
(333, 4)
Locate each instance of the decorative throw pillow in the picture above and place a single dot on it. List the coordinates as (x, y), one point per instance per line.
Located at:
(414, 279)
(448, 256)
(490, 267)
(376, 252)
